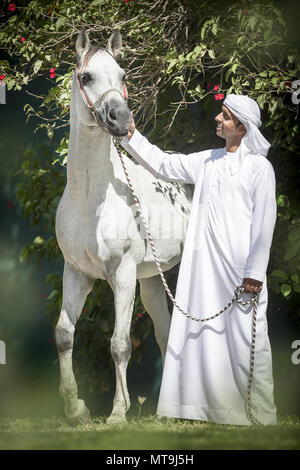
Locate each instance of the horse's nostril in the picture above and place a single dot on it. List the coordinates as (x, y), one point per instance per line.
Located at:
(112, 113)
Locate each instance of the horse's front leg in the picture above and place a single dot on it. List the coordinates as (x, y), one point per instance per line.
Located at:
(76, 287)
(123, 284)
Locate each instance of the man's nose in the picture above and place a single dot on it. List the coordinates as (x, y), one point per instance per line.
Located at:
(218, 118)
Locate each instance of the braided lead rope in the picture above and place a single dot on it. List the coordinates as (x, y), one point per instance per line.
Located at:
(237, 293)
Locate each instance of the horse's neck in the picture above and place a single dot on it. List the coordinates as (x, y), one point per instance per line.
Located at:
(92, 161)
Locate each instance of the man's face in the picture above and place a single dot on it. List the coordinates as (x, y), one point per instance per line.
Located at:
(228, 125)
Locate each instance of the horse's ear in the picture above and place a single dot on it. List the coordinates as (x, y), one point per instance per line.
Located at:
(82, 44)
(114, 44)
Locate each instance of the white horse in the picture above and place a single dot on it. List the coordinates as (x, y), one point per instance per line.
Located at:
(96, 227)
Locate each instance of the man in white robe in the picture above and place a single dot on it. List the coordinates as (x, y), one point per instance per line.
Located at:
(228, 240)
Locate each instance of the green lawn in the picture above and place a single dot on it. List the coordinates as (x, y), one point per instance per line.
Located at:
(146, 433)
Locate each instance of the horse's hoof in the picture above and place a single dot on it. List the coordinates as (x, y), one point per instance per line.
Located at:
(83, 419)
(116, 419)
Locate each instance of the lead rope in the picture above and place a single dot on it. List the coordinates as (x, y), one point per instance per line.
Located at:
(237, 293)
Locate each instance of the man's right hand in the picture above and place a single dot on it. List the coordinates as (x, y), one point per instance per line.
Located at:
(131, 128)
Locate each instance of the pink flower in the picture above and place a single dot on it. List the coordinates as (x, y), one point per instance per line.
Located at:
(9, 205)
(11, 7)
(22, 39)
(50, 11)
(219, 96)
(2, 77)
(216, 87)
(288, 84)
(127, 1)
(52, 72)
(139, 314)
(245, 12)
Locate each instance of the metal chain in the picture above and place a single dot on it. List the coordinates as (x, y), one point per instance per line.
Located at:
(237, 293)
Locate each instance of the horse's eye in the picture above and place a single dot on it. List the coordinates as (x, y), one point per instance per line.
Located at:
(85, 78)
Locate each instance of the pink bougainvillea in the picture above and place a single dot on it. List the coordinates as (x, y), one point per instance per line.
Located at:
(11, 7)
(9, 204)
(52, 72)
(219, 96)
(216, 87)
(139, 314)
(22, 39)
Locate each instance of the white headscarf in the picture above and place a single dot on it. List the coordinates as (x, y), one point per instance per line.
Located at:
(248, 113)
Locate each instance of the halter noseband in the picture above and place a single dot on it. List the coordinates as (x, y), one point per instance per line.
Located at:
(93, 106)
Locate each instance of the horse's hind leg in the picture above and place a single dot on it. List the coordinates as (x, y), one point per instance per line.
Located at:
(153, 296)
(76, 287)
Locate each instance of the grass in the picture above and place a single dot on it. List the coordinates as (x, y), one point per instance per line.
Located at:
(146, 433)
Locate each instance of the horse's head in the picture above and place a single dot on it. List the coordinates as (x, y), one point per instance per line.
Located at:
(100, 82)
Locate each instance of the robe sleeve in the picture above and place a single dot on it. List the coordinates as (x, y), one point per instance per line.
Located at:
(263, 194)
(169, 167)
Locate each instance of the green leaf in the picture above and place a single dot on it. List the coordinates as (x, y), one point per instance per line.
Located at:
(294, 234)
(277, 11)
(96, 2)
(37, 66)
(38, 240)
(275, 80)
(279, 273)
(291, 251)
(215, 28)
(234, 67)
(286, 289)
(50, 132)
(52, 294)
(228, 73)
(295, 278)
(252, 22)
(211, 54)
(60, 22)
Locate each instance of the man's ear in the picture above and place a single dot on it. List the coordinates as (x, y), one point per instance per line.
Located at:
(243, 128)
(82, 45)
(114, 44)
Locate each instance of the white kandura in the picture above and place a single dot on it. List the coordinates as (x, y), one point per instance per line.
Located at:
(229, 234)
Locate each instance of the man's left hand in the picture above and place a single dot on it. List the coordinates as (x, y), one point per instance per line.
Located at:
(251, 285)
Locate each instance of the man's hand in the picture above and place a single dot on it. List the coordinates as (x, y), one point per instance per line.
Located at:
(131, 128)
(251, 285)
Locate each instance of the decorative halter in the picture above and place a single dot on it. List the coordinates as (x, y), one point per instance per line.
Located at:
(93, 106)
